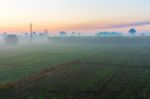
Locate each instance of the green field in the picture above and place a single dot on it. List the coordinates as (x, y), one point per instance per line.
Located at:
(116, 68)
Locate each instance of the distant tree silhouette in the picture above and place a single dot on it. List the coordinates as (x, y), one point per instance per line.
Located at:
(132, 31)
(11, 39)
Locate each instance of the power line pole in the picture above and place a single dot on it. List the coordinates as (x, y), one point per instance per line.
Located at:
(31, 31)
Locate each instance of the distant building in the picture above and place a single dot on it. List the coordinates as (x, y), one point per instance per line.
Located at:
(41, 35)
(79, 34)
(108, 34)
(26, 36)
(73, 34)
(35, 36)
(4, 34)
(62, 34)
(145, 34)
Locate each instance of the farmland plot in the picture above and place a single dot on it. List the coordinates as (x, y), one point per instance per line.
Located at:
(78, 72)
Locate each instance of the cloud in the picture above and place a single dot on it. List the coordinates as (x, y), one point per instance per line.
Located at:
(129, 25)
(110, 26)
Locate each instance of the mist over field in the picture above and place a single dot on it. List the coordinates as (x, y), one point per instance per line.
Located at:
(76, 67)
(74, 49)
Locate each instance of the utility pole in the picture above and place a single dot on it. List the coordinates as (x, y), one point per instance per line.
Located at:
(31, 31)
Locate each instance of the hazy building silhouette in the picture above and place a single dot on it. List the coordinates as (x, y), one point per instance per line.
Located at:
(73, 34)
(62, 34)
(108, 34)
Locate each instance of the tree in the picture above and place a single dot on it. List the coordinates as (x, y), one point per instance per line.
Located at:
(132, 31)
(11, 39)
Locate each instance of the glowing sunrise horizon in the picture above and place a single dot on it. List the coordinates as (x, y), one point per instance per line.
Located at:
(74, 15)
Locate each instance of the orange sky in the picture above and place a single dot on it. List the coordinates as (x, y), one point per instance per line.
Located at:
(70, 27)
(74, 15)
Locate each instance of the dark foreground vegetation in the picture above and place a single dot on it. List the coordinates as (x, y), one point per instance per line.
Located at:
(77, 68)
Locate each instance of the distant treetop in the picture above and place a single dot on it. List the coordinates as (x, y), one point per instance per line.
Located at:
(132, 31)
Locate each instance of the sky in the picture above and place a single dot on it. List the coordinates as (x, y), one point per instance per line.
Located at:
(74, 15)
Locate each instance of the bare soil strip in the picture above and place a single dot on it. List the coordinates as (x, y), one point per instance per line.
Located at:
(35, 77)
